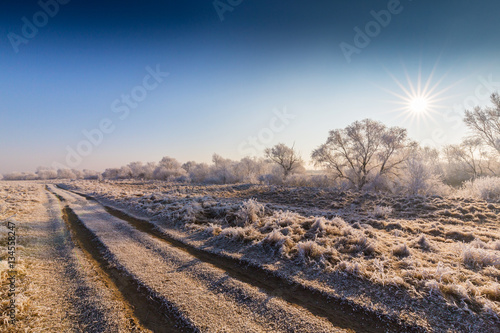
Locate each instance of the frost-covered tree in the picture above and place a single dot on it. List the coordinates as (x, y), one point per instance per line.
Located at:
(136, 168)
(248, 169)
(65, 174)
(485, 123)
(286, 157)
(222, 170)
(468, 160)
(422, 174)
(188, 166)
(46, 173)
(90, 174)
(168, 168)
(111, 173)
(364, 150)
(199, 172)
(139, 170)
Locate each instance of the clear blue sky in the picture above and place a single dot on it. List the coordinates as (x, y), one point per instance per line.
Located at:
(228, 78)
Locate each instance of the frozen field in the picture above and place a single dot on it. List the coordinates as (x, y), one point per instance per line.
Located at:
(121, 256)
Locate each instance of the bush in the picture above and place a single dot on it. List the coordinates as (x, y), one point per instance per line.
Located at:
(486, 188)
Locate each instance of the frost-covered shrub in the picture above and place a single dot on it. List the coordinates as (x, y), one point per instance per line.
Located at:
(248, 170)
(20, 176)
(169, 169)
(297, 180)
(492, 291)
(486, 188)
(199, 173)
(117, 173)
(44, 174)
(142, 171)
(420, 177)
(382, 211)
(250, 211)
(274, 176)
(357, 243)
(65, 174)
(478, 244)
(190, 211)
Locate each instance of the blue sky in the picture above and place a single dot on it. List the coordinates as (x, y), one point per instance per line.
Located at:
(228, 79)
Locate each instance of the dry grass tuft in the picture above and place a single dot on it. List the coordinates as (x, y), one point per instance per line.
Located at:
(286, 218)
(478, 258)
(275, 238)
(491, 291)
(495, 245)
(240, 234)
(213, 229)
(309, 249)
(382, 211)
(250, 211)
(349, 267)
(401, 250)
(423, 243)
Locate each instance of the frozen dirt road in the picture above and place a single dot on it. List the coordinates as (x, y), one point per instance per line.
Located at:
(170, 289)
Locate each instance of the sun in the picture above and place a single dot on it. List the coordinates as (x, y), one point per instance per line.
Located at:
(418, 104)
(418, 101)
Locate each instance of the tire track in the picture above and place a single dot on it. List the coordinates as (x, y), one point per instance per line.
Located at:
(85, 310)
(151, 311)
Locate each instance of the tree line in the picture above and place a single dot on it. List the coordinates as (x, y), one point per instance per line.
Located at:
(365, 155)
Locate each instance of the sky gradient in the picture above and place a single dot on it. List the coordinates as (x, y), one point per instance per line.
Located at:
(268, 72)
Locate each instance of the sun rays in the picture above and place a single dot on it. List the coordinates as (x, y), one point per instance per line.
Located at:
(418, 101)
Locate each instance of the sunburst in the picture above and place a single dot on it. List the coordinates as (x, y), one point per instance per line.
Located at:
(418, 101)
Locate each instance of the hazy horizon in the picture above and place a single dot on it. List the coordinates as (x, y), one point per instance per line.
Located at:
(277, 73)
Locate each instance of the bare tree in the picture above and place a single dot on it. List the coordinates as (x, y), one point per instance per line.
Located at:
(485, 123)
(469, 159)
(286, 157)
(362, 149)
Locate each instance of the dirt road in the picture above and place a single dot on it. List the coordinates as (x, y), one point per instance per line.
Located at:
(93, 268)
(170, 288)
